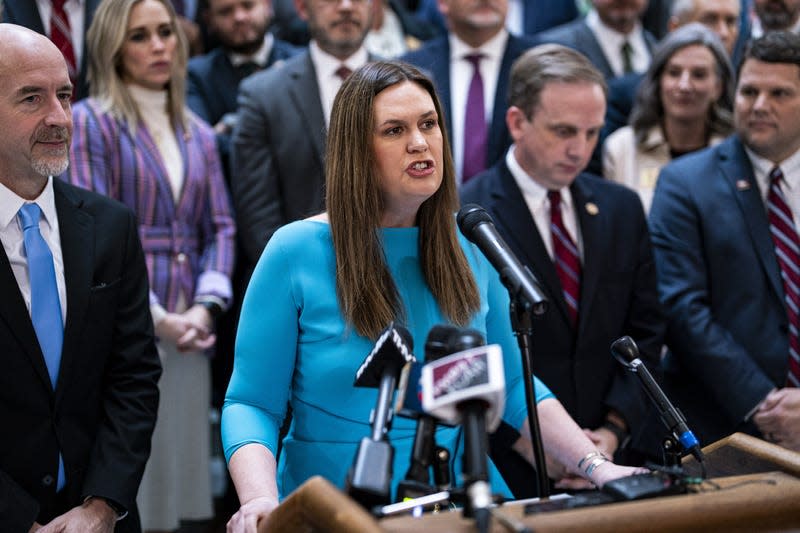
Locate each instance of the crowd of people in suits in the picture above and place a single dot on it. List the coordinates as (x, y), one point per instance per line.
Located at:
(653, 192)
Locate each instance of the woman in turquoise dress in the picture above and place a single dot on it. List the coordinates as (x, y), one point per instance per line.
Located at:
(386, 250)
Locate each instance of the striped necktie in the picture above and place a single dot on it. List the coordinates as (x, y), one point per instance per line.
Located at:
(61, 35)
(787, 251)
(565, 255)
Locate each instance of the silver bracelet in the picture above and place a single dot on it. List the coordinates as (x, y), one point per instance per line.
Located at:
(597, 461)
(589, 456)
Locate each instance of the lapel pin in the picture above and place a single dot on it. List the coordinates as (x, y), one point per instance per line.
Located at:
(592, 208)
(742, 185)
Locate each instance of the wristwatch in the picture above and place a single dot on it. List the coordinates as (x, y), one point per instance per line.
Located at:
(623, 437)
(213, 308)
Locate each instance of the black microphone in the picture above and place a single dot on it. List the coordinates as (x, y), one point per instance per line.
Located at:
(369, 481)
(626, 352)
(477, 226)
(467, 386)
(417, 482)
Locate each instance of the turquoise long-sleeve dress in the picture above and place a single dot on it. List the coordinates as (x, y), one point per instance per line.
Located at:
(293, 345)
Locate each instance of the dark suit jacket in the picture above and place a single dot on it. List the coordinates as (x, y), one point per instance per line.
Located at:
(434, 57)
(578, 36)
(213, 82)
(212, 86)
(102, 412)
(25, 13)
(618, 293)
(290, 27)
(721, 285)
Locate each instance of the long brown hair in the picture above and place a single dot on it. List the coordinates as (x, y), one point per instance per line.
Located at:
(366, 291)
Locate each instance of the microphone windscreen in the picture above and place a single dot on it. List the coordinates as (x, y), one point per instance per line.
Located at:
(625, 350)
(392, 350)
(469, 217)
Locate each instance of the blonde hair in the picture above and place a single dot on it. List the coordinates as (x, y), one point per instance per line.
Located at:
(367, 294)
(104, 42)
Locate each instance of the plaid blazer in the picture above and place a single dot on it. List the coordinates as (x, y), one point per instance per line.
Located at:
(188, 243)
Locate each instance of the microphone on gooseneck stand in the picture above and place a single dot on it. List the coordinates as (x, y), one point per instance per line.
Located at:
(369, 481)
(626, 352)
(468, 387)
(477, 226)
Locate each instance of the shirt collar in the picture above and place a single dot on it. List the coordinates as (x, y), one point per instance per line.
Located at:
(259, 57)
(530, 187)
(493, 48)
(327, 65)
(606, 34)
(762, 167)
(10, 202)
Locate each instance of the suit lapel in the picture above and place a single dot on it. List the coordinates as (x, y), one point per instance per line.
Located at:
(440, 72)
(587, 41)
(513, 216)
(737, 169)
(593, 232)
(18, 321)
(304, 91)
(77, 247)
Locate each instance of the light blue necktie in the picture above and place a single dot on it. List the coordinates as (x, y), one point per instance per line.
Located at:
(45, 304)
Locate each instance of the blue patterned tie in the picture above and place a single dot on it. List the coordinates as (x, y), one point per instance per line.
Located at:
(45, 303)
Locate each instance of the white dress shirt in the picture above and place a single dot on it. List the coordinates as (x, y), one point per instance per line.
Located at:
(791, 180)
(611, 42)
(326, 66)
(461, 72)
(539, 205)
(75, 13)
(14, 244)
(260, 57)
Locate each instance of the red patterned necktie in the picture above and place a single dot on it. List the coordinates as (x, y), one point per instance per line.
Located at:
(787, 250)
(61, 35)
(343, 72)
(565, 255)
(475, 134)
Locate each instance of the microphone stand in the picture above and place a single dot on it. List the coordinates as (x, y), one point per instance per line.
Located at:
(522, 324)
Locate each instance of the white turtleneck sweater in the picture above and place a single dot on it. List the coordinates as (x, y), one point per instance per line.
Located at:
(153, 109)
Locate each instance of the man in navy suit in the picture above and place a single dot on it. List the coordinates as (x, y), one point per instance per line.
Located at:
(245, 47)
(26, 13)
(721, 277)
(476, 28)
(611, 36)
(78, 393)
(557, 102)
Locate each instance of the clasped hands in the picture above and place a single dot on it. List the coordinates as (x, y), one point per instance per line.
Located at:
(191, 331)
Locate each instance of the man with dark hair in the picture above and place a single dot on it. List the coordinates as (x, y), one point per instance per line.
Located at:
(586, 239)
(724, 225)
(245, 47)
(277, 150)
(78, 393)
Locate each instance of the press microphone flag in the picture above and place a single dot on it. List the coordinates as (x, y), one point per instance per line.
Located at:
(474, 374)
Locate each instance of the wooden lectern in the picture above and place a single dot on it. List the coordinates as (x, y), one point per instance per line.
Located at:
(753, 486)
